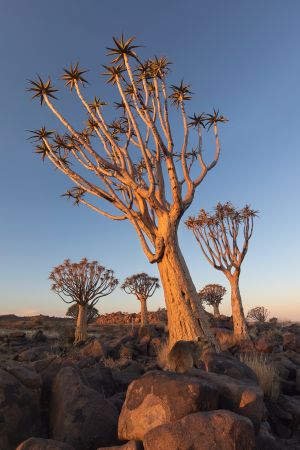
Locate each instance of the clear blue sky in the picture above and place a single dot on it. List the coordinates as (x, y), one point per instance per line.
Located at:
(240, 56)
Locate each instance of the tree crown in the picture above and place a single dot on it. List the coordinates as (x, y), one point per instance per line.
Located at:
(141, 285)
(212, 294)
(83, 282)
(218, 234)
(133, 161)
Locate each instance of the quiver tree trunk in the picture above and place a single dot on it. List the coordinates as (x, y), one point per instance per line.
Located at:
(186, 318)
(144, 312)
(239, 322)
(216, 311)
(81, 325)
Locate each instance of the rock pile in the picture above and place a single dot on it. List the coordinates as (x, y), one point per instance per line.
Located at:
(120, 317)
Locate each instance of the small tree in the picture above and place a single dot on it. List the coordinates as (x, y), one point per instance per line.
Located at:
(84, 283)
(218, 236)
(259, 313)
(92, 312)
(142, 286)
(212, 295)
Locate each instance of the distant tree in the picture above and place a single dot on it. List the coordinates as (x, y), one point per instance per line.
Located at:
(260, 314)
(224, 238)
(132, 168)
(84, 283)
(212, 295)
(142, 286)
(92, 312)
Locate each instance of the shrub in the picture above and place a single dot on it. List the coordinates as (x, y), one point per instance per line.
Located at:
(265, 371)
(259, 313)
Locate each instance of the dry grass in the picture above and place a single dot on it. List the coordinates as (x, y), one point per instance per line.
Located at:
(265, 371)
(162, 355)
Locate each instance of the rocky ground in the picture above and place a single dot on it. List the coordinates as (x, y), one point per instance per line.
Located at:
(112, 390)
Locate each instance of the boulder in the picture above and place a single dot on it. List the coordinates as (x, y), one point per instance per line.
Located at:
(35, 353)
(279, 419)
(19, 406)
(24, 373)
(94, 348)
(298, 381)
(291, 341)
(226, 364)
(266, 441)
(79, 415)
(237, 395)
(220, 430)
(48, 368)
(268, 343)
(291, 405)
(100, 379)
(161, 397)
(43, 444)
(123, 378)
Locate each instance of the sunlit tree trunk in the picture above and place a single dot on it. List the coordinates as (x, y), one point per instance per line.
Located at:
(239, 322)
(144, 312)
(81, 325)
(186, 318)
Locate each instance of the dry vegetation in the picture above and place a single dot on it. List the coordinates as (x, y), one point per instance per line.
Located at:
(265, 371)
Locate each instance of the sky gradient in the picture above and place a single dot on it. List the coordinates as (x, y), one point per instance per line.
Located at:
(239, 56)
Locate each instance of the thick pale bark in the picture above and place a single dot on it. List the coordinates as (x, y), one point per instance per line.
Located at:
(81, 325)
(144, 312)
(186, 318)
(239, 321)
(216, 311)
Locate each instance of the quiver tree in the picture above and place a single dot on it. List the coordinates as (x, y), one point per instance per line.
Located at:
(224, 238)
(92, 312)
(212, 295)
(134, 166)
(142, 286)
(259, 314)
(83, 283)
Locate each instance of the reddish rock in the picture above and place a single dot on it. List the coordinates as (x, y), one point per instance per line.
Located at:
(220, 430)
(237, 396)
(161, 397)
(226, 364)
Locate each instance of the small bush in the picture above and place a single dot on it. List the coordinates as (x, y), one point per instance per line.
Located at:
(162, 354)
(265, 371)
